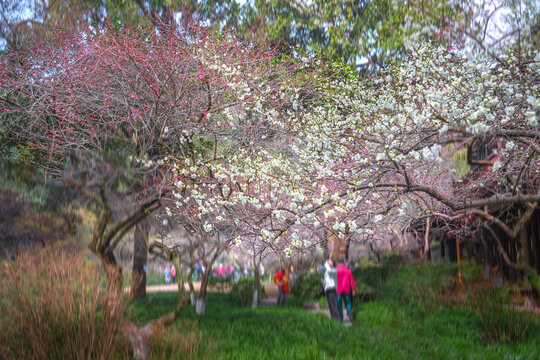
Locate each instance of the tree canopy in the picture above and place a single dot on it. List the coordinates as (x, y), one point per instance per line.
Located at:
(372, 34)
(245, 142)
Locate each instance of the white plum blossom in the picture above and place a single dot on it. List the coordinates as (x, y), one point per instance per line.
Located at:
(207, 227)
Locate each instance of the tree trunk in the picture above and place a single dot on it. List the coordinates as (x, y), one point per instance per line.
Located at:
(139, 336)
(344, 248)
(520, 264)
(140, 256)
(204, 285)
(256, 282)
(107, 235)
(201, 298)
(191, 287)
(426, 239)
(200, 306)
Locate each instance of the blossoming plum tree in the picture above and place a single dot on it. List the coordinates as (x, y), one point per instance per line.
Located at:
(218, 193)
(368, 149)
(242, 144)
(120, 115)
(388, 142)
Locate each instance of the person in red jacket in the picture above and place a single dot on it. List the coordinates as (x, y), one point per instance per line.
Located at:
(345, 289)
(173, 274)
(282, 281)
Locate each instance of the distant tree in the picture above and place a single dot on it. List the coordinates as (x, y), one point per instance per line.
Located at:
(371, 34)
(20, 18)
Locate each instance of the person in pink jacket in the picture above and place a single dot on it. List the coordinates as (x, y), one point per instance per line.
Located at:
(345, 289)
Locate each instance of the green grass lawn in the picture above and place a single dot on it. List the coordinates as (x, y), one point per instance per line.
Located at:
(384, 329)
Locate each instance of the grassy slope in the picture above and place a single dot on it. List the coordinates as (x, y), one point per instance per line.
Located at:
(383, 330)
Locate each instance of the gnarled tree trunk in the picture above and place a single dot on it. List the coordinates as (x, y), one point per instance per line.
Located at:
(107, 235)
(139, 336)
(140, 257)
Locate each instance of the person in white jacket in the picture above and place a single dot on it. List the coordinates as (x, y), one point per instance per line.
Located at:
(330, 286)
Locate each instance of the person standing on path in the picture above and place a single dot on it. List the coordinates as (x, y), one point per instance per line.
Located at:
(330, 286)
(173, 274)
(345, 289)
(167, 274)
(282, 281)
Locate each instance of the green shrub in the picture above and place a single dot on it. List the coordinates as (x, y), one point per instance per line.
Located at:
(242, 291)
(308, 286)
(369, 280)
(155, 278)
(423, 282)
(374, 276)
(55, 305)
(364, 292)
(220, 284)
(420, 282)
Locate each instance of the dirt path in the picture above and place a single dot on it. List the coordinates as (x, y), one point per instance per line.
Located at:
(172, 287)
(270, 288)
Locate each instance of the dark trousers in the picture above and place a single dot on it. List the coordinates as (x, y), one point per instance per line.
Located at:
(281, 294)
(332, 304)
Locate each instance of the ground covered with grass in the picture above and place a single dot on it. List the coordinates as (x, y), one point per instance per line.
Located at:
(384, 329)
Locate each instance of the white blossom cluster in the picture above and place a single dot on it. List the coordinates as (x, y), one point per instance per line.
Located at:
(345, 164)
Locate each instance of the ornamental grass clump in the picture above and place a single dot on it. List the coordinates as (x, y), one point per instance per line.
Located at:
(54, 305)
(183, 341)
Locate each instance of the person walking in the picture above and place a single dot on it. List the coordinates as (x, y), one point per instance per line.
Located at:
(330, 286)
(282, 281)
(167, 274)
(173, 274)
(345, 289)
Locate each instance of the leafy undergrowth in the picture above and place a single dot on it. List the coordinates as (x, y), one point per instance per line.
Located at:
(435, 287)
(242, 291)
(384, 329)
